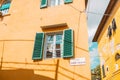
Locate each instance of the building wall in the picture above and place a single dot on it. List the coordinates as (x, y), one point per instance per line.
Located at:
(18, 30)
(108, 47)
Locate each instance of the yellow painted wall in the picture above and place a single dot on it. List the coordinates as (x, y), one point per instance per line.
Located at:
(17, 34)
(108, 47)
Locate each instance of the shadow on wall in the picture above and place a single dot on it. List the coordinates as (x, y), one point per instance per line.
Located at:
(28, 74)
(21, 74)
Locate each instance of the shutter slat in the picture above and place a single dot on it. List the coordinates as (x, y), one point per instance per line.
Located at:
(68, 43)
(68, 1)
(37, 53)
(43, 3)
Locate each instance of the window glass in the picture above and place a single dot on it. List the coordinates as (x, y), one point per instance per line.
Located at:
(58, 44)
(53, 45)
(50, 45)
(55, 2)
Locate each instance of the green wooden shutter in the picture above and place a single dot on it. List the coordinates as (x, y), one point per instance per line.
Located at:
(38, 46)
(43, 3)
(68, 1)
(68, 43)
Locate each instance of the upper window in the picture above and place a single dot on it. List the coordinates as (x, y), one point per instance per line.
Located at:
(45, 3)
(103, 71)
(55, 2)
(53, 45)
(5, 7)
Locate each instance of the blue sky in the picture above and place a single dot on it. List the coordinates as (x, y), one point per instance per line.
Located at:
(94, 56)
(95, 10)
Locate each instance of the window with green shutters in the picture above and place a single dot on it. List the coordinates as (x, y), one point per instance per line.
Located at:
(5, 7)
(68, 1)
(56, 45)
(38, 46)
(45, 3)
(68, 43)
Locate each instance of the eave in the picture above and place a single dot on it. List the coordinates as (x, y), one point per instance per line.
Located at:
(109, 10)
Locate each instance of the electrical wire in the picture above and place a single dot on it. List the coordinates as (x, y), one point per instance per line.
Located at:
(89, 11)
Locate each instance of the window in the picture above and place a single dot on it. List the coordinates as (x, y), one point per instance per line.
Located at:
(103, 71)
(45, 3)
(117, 56)
(53, 45)
(5, 7)
(55, 2)
(107, 69)
(109, 32)
(114, 27)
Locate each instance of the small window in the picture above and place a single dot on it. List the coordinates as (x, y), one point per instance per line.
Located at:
(103, 71)
(109, 32)
(45, 3)
(55, 2)
(114, 27)
(53, 45)
(5, 7)
(107, 69)
(117, 56)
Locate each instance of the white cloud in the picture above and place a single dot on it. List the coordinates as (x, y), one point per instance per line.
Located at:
(94, 52)
(94, 6)
(91, 32)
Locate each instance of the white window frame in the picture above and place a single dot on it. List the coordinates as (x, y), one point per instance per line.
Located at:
(54, 45)
(56, 2)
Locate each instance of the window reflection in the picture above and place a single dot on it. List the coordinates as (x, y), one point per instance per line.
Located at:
(53, 45)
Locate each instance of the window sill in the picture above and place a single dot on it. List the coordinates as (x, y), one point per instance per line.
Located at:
(53, 26)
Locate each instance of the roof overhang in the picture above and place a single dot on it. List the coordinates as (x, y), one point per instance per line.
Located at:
(86, 1)
(109, 10)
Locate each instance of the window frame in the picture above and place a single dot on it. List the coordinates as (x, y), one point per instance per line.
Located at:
(54, 43)
(103, 71)
(57, 2)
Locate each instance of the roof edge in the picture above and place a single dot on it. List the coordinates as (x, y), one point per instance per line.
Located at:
(109, 9)
(86, 1)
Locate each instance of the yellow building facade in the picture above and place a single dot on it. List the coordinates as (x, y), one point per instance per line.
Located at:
(107, 36)
(44, 40)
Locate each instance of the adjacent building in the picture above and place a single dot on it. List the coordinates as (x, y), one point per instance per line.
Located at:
(44, 40)
(107, 36)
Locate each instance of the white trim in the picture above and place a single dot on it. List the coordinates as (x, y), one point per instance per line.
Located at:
(54, 44)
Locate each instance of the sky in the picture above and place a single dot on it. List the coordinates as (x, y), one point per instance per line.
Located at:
(95, 11)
